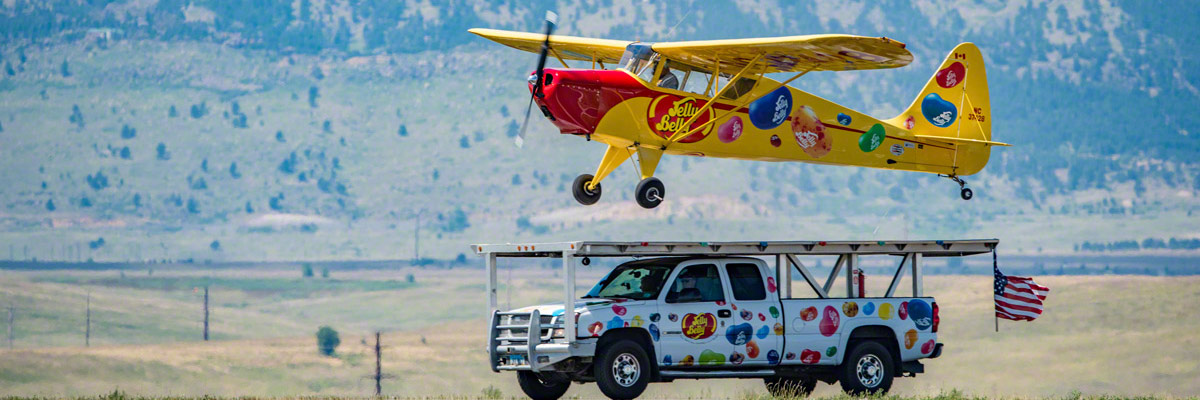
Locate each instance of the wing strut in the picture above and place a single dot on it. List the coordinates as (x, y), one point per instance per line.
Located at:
(743, 104)
(679, 134)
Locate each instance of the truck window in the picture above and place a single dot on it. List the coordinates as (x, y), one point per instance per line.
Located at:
(697, 283)
(632, 281)
(746, 282)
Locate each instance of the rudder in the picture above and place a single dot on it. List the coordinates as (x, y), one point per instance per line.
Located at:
(954, 105)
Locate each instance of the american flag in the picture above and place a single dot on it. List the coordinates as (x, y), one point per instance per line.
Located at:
(1017, 298)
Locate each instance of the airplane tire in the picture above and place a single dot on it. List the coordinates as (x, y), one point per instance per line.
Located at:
(650, 192)
(582, 194)
(967, 194)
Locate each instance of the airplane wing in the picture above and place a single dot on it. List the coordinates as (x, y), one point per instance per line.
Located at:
(567, 47)
(791, 53)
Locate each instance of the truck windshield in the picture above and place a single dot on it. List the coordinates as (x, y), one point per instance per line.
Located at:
(632, 281)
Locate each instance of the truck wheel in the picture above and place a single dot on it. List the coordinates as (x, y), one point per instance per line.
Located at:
(788, 387)
(622, 370)
(539, 388)
(867, 369)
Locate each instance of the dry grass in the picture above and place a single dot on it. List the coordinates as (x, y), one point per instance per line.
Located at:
(1101, 335)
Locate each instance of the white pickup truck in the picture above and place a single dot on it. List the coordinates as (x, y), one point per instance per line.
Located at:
(688, 310)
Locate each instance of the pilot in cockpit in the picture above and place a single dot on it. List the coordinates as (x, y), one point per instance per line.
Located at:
(668, 79)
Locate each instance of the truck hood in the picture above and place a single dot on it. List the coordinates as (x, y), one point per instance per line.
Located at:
(581, 305)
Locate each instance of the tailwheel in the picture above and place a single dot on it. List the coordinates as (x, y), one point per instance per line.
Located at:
(965, 192)
(650, 192)
(582, 194)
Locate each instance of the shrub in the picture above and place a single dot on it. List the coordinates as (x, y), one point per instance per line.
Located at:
(163, 154)
(215, 245)
(327, 340)
(306, 270)
(325, 273)
(410, 278)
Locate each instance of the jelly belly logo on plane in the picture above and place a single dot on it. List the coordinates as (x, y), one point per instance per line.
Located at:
(699, 327)
(668, 114)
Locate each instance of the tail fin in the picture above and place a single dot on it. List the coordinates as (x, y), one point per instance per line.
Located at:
(954, 107)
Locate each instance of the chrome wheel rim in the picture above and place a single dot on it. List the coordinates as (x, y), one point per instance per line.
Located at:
(870, 370)
(626, 370)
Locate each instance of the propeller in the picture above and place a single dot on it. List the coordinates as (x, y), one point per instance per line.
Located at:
(551, 19)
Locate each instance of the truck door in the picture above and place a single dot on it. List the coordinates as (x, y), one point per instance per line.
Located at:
(756, 329)
(695, 313)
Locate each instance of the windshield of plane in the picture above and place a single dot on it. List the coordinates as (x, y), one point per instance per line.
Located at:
(634, 281)
(636, 57)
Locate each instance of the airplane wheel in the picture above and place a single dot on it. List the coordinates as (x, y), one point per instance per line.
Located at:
(582, 194)
(967, 194)
(650, 192)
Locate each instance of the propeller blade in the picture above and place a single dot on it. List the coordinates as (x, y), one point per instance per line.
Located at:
(520, 140)
(551, 19)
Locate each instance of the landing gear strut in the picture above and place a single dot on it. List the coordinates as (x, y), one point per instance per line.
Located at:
(965, 192)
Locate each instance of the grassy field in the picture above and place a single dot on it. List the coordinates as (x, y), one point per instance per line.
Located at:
(1101, 335)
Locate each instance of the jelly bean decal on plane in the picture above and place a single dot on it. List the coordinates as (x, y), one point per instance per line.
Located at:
(810, 133)
(730, 130)
(940, 113)
(772, 109)
(872, 138)
(843, 119)
(951, 75)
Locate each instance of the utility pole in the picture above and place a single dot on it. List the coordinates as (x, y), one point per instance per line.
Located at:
(378, 367)
(205, 314)
(417, 241)
(10, 326)
(87, 333)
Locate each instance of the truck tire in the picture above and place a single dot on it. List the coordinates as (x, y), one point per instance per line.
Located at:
(867, 369)
(788, 387)
(622, 370)
(538, 388)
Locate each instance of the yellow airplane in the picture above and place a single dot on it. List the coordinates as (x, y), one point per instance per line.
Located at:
(711, 99)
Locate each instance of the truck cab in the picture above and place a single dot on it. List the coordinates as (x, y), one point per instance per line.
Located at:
(725, 315)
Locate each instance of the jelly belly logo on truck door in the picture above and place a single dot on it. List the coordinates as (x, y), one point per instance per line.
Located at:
(699, 327)
(668, 113)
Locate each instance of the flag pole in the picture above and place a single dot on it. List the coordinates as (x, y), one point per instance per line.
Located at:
(995, 267)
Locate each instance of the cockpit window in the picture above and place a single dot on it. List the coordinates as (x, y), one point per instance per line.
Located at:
(637, 57)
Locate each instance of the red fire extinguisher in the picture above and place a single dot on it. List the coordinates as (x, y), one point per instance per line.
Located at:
(860, 280)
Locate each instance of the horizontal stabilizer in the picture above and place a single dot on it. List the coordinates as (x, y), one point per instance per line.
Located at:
(962, 140)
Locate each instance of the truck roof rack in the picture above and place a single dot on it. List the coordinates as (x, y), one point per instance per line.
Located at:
(928, 248)
(784, 252)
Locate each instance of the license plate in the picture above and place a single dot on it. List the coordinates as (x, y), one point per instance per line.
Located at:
(516, 359)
